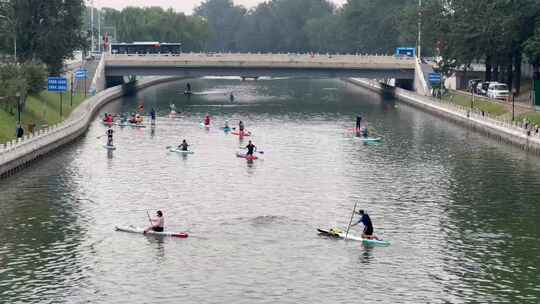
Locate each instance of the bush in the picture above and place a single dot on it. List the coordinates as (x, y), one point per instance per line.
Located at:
(36, 77)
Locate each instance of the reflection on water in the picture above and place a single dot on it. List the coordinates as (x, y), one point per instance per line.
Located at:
(459, 209)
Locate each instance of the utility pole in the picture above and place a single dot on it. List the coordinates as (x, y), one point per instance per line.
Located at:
(92, 26)
(419, 46)
(99, 30)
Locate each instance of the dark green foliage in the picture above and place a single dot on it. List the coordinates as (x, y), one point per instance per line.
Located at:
(36, 77)
(48, 31)
(155, 24)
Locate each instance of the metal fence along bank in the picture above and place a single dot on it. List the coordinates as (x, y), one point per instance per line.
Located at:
(517, 133)
(19, 153)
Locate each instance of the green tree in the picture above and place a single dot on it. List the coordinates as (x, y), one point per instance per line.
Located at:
(48, 31)
(156, 24)
(224, 20)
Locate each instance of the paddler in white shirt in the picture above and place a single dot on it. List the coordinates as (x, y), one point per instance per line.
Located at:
(158, 223)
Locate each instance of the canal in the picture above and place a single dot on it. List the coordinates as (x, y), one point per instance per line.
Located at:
(460, 210)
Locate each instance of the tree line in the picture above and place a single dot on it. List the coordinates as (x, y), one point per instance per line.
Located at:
(499, 33)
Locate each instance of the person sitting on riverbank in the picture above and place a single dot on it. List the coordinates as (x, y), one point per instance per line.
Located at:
(158, 223)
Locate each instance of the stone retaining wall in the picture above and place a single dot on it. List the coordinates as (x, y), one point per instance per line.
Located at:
(507, 131)
(18, 154)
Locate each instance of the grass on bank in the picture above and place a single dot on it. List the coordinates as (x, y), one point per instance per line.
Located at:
(42, 110)
(533, 117)
(492, 108)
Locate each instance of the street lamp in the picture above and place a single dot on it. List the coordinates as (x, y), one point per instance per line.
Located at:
(18, 96)
(514, 91)
(419, 47)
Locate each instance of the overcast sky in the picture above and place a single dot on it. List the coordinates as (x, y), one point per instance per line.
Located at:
(185, 6)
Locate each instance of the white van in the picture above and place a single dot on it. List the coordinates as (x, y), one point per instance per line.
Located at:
(498, 90)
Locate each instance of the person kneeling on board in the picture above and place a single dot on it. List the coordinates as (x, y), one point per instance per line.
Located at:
(183, 146)
(250, 148)
(158, 223)
(365, 131)
(368, 226)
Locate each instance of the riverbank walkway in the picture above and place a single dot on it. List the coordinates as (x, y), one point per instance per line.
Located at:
(520, 133)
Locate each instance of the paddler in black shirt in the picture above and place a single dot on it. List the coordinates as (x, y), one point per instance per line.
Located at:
(110, 137)
(250, 148)
(368, 226)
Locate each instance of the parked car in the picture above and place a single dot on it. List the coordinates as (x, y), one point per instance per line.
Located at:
(482, 87)
(498, 91)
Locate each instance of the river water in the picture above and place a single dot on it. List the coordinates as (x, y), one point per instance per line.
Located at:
(460, 210)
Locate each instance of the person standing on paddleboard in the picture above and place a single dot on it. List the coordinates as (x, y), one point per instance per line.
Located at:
(158, 223)
(241, 128)
(207, 120)
(368, 226)
(110, 137)
(188, 87)
(153, 115)
(250, 149)
(358, 123)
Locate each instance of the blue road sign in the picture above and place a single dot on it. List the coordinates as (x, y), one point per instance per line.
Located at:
(57, 84)
(434, 78)
(81, 73)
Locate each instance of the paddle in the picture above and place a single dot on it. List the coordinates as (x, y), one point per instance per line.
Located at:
(243, 148)
(149, 219)
(350, 222)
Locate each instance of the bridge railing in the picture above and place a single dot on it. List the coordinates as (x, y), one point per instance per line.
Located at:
(273, 57)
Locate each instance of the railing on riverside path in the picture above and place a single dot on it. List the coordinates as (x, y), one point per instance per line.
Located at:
(76, 122)
(508, 126)
(513, 127)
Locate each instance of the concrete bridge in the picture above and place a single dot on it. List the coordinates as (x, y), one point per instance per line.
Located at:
(255, 65)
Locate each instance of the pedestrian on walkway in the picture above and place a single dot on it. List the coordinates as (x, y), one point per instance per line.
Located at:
(19, 131)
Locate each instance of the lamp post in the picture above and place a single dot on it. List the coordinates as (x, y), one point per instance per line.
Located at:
(472, 100)
(513, 103)
(18, 96)
(419, 46)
